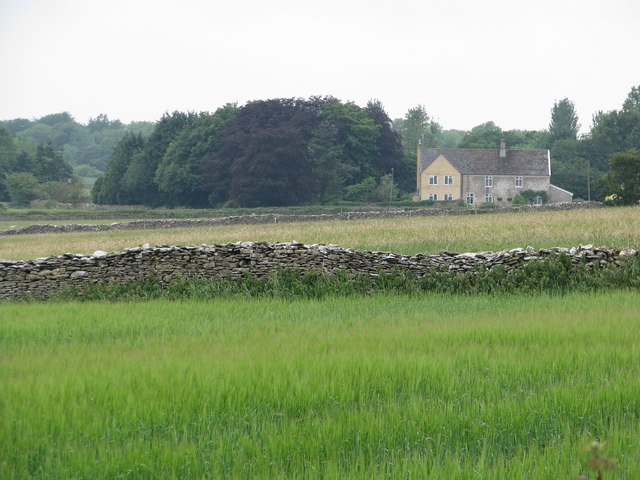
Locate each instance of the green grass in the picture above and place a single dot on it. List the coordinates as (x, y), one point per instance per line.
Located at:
(370, 387)
(555, 275)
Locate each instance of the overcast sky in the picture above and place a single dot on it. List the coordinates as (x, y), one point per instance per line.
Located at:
(466, 61)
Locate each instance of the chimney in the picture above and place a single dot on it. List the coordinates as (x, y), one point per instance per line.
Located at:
(503, 150)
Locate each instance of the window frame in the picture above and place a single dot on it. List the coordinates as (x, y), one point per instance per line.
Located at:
(470, 196)
(488, 181)
(433, 196)
(488, 198)
(433, 179)
(448, 196)
(448, 180)
(520, 181)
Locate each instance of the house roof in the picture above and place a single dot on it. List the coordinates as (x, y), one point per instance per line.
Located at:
(476, 161)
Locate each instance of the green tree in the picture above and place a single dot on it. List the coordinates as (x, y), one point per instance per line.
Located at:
(621, 184)
(362, 191)
(138, 180)
(564, 121)
(179, 177)
(326, 154)
(22, 187)
(418, 125)
(102, 122)
(357, 135)
(613, 132)
(569, 167)
(71, 191)
(632, 101)
(49, 164)
(485, 135)
(8, 157)
(450, 138)
(389, 142)
(108, 189)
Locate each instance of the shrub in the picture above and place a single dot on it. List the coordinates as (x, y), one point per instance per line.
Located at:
(488, 206)
(519, 200)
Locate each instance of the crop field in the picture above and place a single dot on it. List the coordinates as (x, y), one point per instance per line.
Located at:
(617, 227)
(438, 386)
(374, 387)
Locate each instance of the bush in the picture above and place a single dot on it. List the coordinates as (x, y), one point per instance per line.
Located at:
(519, 200)
(22, 187)
(488, 206)
(360, 191)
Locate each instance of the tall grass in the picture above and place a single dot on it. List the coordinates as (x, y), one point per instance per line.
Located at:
(553, 275)
(370, 387)
(469, 233)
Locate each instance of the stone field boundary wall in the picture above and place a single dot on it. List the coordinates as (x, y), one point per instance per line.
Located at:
(166, 263)
(275, 218)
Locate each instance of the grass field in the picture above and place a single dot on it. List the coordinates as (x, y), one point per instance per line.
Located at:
(379, 387)
(384, 386)
(618, 227)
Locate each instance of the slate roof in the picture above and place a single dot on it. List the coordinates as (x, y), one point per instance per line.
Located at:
(476, 161)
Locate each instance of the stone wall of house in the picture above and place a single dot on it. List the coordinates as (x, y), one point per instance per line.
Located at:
(503, 189)
(275, 218)
(166, 263)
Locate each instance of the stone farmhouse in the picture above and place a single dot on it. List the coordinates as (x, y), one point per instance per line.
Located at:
(485, 175)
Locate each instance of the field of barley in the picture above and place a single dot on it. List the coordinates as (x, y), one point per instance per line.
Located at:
(380, 386)
(618, 227)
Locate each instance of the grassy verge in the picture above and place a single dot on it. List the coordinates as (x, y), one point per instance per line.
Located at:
(370, 387)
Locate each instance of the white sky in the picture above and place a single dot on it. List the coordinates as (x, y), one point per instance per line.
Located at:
(466, 61)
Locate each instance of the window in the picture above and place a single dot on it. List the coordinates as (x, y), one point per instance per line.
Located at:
(433, 196)
(448, 179)
(470, 198)
(433, 179)
(518, 181)
(448, 196)
(488, 181)
(537, 200)
(488, 198)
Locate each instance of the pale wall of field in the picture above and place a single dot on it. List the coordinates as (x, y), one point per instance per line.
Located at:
(167, 264)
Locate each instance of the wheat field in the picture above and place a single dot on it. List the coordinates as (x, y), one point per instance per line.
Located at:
(618, 227)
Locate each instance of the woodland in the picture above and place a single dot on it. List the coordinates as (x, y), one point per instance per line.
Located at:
(292, 151)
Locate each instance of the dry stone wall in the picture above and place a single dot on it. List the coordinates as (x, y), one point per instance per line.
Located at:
(166, 263)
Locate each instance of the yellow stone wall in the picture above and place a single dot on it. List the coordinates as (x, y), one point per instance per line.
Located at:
(440, 167)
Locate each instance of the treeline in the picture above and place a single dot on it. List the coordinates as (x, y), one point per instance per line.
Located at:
(40, 172)
(267, 152)
(87, 148)
(292, 151)
(319, 150)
